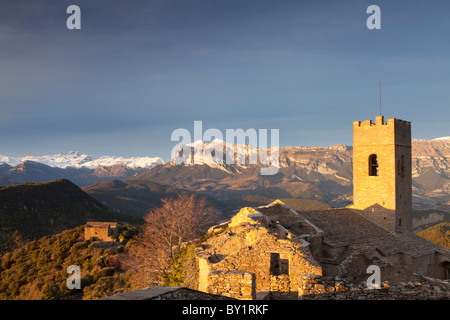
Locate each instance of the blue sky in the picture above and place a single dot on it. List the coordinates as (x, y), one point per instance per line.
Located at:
(137, 70)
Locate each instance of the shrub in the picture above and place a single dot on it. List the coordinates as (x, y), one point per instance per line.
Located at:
(184, 269)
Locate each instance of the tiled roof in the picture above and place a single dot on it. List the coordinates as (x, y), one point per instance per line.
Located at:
(345, 227)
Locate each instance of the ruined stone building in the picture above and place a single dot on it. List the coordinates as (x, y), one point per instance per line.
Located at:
(275, 251)
(259, 250)
(100, 231)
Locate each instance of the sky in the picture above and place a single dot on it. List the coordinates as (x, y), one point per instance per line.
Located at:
(138, 70)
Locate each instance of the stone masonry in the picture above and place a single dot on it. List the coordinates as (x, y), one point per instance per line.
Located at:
(100, 231)
(236, 284)
(384, 194)
(269, 245)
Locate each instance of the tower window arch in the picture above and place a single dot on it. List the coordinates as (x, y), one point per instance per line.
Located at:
(373, 165)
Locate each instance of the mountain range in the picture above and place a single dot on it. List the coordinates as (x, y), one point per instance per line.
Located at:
(321, 173)
(78, 168)
(76, 160)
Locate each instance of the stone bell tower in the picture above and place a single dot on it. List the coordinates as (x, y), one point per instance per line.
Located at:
(382, 172)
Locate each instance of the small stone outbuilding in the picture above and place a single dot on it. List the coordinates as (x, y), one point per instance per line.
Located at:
(101, 231)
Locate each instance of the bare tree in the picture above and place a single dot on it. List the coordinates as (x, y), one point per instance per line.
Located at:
(165, 229)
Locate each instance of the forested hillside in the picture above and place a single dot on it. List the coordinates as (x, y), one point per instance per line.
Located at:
(38, 270)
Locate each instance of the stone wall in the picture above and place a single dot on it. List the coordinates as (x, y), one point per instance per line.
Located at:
(250, 249)
(100, 231)
(233, 284)
(312, 287)
(280, 288)
(97, 234)
(355, 265)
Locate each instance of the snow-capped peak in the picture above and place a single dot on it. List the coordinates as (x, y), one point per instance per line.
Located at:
(132, 163)
(77, 160)
(443, 138)
(216, 152)
(61, 160)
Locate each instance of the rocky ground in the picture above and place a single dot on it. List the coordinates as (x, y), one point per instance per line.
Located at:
(396, 284)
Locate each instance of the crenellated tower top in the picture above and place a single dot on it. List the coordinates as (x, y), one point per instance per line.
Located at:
(379, 121)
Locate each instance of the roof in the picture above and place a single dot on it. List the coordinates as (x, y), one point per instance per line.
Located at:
(167, 293)
(345, 227)
(101, 224)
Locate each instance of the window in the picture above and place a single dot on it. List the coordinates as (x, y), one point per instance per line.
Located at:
(373, 165)
(278, 266)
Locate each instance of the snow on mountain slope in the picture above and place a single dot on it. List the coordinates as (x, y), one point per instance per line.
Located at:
(62, 160)
(12, 161)
(443, 138)
(77, 160)
(132, 163)
(215, 152)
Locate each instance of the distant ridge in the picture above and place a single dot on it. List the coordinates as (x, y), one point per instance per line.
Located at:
(32, 171)
(134, 197)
